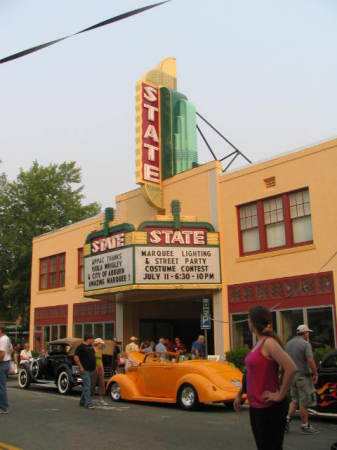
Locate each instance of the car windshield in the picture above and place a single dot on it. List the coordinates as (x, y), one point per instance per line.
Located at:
(330, 362)
(58, 349)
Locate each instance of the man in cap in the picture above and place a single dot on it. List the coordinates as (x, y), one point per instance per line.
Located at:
(302, 390)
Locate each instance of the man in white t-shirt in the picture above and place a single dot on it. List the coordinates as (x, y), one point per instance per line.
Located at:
(5, 356)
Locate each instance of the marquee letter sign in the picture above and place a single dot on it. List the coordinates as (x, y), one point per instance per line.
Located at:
(151, 134)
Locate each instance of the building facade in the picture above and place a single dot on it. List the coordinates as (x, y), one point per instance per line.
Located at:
(190, 236)
(276, 225)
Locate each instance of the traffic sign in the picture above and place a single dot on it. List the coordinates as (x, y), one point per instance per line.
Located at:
(205, 322)
(205, 317)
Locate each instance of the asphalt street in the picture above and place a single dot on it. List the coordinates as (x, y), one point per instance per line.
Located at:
(40, 418)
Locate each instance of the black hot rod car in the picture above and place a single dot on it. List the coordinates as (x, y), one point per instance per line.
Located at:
(326, 387)
(58, 366)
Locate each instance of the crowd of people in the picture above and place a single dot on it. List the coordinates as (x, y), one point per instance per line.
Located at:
(273, 374)
(163, 345)
(198, 349)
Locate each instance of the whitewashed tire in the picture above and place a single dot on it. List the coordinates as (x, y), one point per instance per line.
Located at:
(35, 369)
(115, 392)
(64, 385)
(24, 378)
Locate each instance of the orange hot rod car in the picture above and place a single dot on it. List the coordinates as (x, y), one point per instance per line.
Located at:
(161, 377)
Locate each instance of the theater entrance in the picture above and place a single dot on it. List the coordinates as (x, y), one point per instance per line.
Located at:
(151, 320)
(186, 329)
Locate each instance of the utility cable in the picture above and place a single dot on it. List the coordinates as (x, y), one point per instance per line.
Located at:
(330, 259)
(92, 27)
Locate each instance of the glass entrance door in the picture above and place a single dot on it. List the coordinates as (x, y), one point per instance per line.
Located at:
(187, 330)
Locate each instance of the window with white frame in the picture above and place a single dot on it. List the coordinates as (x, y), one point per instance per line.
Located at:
(241, 335)
(53, 332)
(276, 222)
(104, 330)
(249, 228)
(52, 271)
(300, 214)
(285, 322)
(320, 321)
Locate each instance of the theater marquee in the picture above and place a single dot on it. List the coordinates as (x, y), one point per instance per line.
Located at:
(158, 255)
(109, 270)
(172, 265)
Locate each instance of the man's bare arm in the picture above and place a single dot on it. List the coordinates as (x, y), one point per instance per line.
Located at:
(313, 367)
(78, 362)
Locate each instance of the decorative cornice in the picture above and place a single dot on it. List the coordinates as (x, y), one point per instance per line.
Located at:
(128, 227)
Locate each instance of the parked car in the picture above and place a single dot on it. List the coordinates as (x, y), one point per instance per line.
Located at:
(161, 377)
(58, 366)
(326, 386)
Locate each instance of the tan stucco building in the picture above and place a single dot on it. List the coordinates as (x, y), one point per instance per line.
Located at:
(273, 223)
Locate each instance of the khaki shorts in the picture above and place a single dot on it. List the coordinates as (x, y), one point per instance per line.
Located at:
(302, 391)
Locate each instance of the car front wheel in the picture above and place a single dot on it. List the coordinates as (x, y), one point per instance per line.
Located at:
(115, 392)
(188, 397)
(24, 378)
(35, 369)
(64, 385)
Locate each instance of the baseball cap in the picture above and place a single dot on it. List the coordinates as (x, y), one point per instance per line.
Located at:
(302, 329)
(98, 341)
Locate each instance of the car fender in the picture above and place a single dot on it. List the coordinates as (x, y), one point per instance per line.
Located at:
(203, 386)
(128, 387)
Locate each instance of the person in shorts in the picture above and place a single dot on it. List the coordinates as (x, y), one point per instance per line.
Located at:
(302, 391)
(99, 372)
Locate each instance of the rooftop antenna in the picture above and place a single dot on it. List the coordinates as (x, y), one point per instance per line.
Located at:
(233, 155)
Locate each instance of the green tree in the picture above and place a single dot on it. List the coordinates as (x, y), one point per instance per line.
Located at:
(40, 200)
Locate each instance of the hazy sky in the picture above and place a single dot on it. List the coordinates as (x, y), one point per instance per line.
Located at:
(264, 72)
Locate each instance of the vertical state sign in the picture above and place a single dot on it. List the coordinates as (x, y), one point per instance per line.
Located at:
(150, 134)
(108, 270)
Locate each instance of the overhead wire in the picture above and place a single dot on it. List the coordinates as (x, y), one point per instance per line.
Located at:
(122, 16)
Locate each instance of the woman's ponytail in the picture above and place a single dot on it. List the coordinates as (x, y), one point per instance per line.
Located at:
(261, 318)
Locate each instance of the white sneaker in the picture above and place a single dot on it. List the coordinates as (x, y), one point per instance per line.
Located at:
(309, 429)
(103, 403)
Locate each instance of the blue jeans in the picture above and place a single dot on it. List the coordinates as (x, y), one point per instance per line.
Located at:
(4, 367)
(87, 377)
